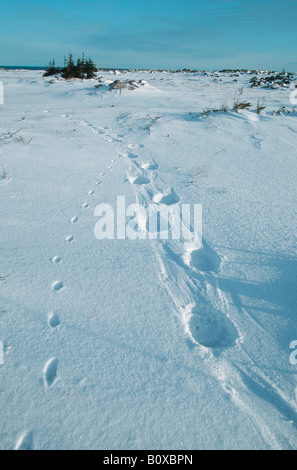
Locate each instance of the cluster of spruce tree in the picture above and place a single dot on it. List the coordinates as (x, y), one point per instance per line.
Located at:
(51, 69)
(84, 68)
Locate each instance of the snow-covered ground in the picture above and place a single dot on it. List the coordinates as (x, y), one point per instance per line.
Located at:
(147, 344)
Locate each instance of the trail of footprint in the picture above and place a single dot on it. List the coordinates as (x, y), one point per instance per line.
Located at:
(150, 165)
(169, 197)
(256, 141)
(203, 259)
(74, 219)
(50, 371)
(53, 320)
(138, 179)
(210, 327)
(204, 322)
(105, 132)
(25, 441)
(96, 130)
(55, 259)
(135, 146)
(85, 205)
(204, 317)
(69, 239)
(91, 192)
(57, 285)
(131, 155)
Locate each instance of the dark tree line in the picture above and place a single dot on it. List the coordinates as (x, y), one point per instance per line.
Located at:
(84, 68)
(51, 69)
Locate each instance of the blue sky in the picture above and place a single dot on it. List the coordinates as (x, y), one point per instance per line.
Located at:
(152, 33)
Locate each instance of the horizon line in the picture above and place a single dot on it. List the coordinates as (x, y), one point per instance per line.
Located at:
(184, 69)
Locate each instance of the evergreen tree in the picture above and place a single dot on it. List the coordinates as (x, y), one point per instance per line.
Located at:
(51, 69)
(70, 70)
(80, 66)
(82, 69)
(90, 68)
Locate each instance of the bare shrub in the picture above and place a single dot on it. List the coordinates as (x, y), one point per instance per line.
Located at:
(260, 106)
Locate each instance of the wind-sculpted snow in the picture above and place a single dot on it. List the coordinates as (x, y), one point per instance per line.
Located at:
(104, 337)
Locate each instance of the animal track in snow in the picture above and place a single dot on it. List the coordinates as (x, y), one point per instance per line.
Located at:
(138, 179)
(135, 146)
(131, 155)
(203, 259)
(168, 198)
(69, 239)
(95, 130)
(85, 205)
(256, 141)
(53, 320)
(205, 317)
(211, 328)
(91, 192)
(25, 442)
(56, 259)
(50, 371)
(74, 219)
(150, 166)
(102, 174)
(57, 285)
